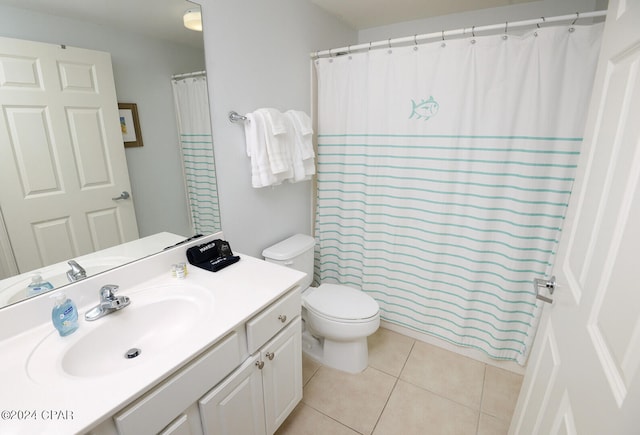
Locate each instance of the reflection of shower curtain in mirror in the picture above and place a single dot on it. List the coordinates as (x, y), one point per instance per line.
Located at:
(194, 125)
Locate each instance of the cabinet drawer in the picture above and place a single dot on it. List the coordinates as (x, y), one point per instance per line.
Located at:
(272, 319)
(158, 408)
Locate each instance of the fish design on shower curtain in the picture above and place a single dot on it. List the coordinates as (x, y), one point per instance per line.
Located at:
(426, 109)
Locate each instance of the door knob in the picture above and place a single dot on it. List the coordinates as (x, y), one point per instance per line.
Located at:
(549, 284)
(123, 195)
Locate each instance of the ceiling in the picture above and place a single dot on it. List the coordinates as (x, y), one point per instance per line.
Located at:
(156, 18)
(363, 14)
(163, 18)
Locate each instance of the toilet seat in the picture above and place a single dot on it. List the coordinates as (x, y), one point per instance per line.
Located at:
(341, 303)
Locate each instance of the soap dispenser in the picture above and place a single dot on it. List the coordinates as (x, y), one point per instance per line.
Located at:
(64, 314)
(38, 286)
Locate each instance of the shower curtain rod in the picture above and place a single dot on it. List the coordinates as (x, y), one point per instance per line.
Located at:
(191, 74)
(449, 33)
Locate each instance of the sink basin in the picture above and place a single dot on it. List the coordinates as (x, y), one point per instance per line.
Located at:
(156, 322)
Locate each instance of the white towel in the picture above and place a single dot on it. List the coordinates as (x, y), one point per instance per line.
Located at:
(287, 155)
(279, 141)
(276, 120)
(304, 156)
(261, 175)
(301, 120)
(304, 132)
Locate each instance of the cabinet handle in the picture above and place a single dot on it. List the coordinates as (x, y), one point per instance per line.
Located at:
(270, 355)
(282, 318)
(260, 364)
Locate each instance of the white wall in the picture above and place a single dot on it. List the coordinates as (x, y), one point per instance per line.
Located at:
(257, 55)
(481, 17)
(142, 69)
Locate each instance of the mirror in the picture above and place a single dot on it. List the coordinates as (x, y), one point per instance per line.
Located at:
(143, 64)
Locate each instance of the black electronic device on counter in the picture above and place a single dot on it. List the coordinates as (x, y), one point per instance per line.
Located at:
(212, 256)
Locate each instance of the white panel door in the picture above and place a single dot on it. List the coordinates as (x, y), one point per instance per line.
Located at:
(583, 376)
(62, 153)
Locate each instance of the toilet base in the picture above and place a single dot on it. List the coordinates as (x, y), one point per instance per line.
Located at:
(347, 356)
(312, 346)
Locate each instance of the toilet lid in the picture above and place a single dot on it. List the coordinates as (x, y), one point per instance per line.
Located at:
(341, 302)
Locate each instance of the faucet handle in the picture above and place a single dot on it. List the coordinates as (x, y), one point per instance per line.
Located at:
(107, 291)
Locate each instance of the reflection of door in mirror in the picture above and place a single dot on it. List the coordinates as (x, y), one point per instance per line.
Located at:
(62, 152)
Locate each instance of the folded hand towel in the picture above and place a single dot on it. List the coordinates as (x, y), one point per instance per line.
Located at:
(275, 119)
(279, 141)
(303, 136)
(301, 120)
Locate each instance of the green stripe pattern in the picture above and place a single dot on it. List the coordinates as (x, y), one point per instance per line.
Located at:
(446, 232)
(200, 178)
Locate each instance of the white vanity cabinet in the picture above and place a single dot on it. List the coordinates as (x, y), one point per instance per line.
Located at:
(164, 409)
(223, 391)
(261, 393)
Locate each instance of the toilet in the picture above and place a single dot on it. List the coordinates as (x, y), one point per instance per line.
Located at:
(337, 319)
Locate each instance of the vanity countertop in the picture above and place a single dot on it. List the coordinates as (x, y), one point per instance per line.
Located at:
(55, 402)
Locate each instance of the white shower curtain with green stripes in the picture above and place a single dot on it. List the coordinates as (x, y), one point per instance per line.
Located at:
(444, 174)
(194, 124)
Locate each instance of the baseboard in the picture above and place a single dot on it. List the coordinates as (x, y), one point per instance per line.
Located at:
(475, 354)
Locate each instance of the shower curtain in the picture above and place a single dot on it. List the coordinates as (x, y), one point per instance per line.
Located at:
(194, 125)
(444, 174)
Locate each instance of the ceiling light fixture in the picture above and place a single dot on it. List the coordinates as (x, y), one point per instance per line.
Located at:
(192, 19)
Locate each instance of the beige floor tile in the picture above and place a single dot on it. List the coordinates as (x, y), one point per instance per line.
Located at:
(501, 389)
(388, 351)
(445, 373)
(309, 368)
(354, 400)
(305, 420)
(413, 410)
(489, 425)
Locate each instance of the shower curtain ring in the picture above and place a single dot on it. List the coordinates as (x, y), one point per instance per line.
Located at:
(506, 28)
(389, 42)
(577, 18)
(443, 35)
(543, 20)
(473, 31)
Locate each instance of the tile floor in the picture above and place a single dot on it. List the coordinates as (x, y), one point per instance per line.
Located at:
(410, 387)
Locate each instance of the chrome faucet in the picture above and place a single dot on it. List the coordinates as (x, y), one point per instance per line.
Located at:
(109, 303)
(77, 272)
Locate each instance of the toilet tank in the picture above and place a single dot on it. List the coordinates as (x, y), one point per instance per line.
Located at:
(295, 252)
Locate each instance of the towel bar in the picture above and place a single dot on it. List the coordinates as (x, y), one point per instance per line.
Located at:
(236, 117)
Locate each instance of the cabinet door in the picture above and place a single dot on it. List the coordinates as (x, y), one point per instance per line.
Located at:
(179, 426)
(282, 375)
(235, 406)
